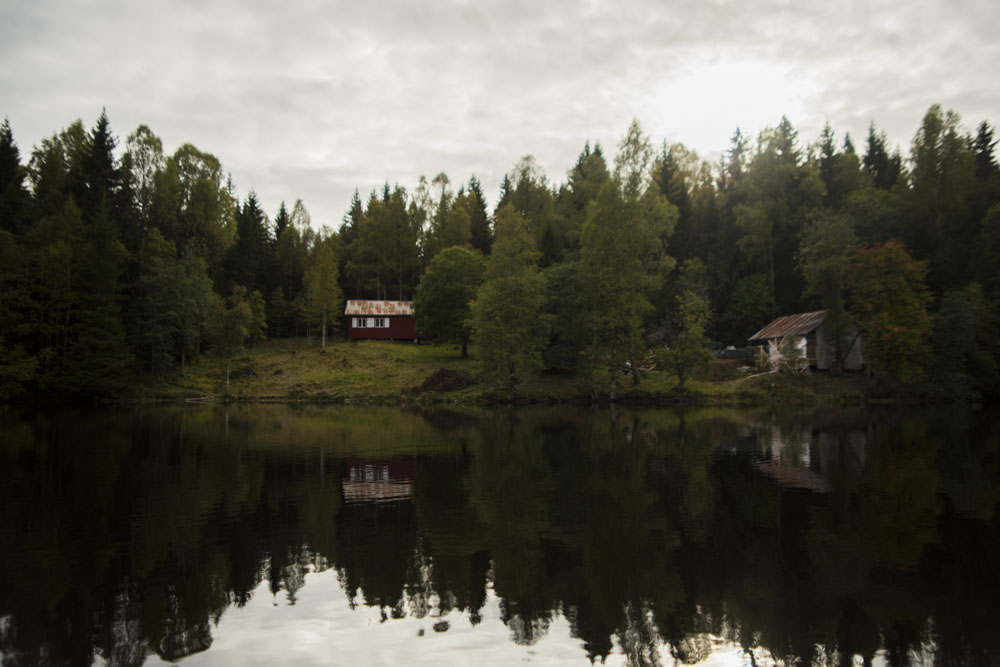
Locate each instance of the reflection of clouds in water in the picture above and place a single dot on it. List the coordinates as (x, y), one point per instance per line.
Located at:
(321, 629)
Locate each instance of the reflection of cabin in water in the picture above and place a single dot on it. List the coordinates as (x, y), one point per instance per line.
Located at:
(806, 459)
(809, 334)
(378, 480)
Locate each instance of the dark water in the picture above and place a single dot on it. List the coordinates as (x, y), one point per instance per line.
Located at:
(276, 535)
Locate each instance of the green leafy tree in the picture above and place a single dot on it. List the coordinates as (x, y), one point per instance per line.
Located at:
(197, 300)
(888, 292)
(322, 290)
(508, 314)
(441, 304)
(162, 293)
(623, 256)
(231, 324)
(966, 351)
(143, 162)
(194, 207)
(688, 351)
(258, 308)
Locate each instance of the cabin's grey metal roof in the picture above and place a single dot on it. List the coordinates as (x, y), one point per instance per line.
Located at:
(378, 308)
(791, 325)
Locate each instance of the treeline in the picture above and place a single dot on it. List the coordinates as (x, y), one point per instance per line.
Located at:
(120, 265)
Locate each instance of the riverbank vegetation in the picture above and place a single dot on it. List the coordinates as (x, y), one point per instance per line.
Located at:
(124, 268)
(382, 373)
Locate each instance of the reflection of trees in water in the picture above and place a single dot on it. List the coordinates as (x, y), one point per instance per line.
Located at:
(641, 531)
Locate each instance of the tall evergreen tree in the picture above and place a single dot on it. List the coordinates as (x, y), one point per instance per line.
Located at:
(281, 221)
(15, 200)
(942, 221)
(479, 219)
(98, 361)
(250, 259)
(885, 169)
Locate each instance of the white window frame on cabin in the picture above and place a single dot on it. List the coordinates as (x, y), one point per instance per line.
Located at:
(370, 322)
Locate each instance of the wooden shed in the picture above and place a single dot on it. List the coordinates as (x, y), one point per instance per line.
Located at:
(808, 333)
(380, 320)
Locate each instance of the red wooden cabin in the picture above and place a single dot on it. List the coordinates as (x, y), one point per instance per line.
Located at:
(381, 320)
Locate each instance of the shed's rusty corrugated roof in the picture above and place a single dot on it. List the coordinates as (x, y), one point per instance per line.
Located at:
(378, 308)
(791, 325)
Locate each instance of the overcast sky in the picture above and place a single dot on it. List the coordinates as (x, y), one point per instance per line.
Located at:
(310, 99)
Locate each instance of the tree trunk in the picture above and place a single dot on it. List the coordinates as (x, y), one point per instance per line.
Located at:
(611, 371)
(324, 330)
(511, 381)
(680, 378)
(465, 349)
(770, 253)
(635, 371)
(227, 375)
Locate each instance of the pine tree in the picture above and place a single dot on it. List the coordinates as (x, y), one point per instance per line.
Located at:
(98, 360)
(884, 169)
(14, 197)
(479, 219)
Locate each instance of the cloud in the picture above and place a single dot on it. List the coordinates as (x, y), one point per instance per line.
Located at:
(312, 100)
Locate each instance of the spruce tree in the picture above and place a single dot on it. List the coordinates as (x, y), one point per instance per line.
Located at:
(14, 197)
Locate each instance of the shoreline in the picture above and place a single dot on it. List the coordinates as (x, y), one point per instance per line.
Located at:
(299, 371)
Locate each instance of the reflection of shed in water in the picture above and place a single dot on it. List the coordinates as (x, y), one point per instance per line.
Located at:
(805, 459)
(378, 480)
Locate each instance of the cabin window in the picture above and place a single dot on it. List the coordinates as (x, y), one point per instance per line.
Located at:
(370, 322)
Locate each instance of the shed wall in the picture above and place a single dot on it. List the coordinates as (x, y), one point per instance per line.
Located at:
(826, 351)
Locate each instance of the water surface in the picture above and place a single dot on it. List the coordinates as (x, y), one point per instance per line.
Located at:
(344, 536)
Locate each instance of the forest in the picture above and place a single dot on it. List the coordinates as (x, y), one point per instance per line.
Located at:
(119, 262)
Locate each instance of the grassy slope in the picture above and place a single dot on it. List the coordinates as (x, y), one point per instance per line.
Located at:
(386, 372)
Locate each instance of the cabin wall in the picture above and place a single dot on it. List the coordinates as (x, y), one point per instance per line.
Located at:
(399, 328)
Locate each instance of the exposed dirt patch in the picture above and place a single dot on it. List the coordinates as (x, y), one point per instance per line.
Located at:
(244, 373)
(444, 379)
(821, 383)
(721, 370)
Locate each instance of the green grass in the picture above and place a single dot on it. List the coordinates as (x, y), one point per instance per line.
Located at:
(292, 370)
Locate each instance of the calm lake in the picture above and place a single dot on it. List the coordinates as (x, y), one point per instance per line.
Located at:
(263, 535)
